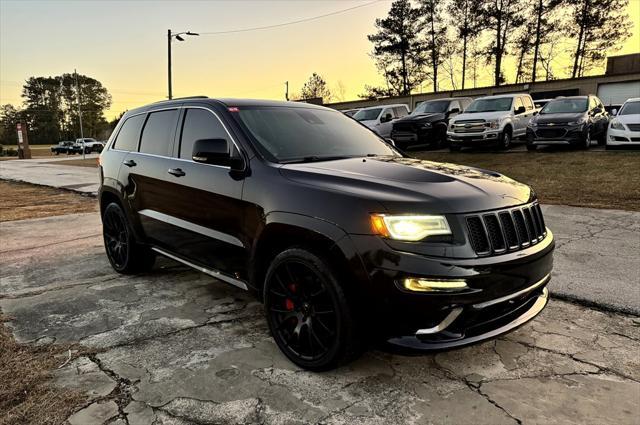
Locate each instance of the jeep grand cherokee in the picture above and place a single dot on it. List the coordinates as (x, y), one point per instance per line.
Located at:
(345, 239)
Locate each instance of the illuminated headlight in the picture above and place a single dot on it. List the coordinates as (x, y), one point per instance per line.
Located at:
(617, 125)
(492, 124)
(434, 285)
(409, 227)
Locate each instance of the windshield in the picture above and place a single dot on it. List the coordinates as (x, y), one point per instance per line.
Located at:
(630, 108)
(367, 114)
(291, 134)
(565, 106)
(436, 106)
(490, 105)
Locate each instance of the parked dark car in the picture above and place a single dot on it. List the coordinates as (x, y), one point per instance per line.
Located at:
(345, 239)
(62, 147)
(427, 124)
(575, 121)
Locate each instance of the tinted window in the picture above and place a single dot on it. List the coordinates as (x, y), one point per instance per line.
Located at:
(630, 108)
(127, 139)
(367, 114)
(287, 134)
(564, 106)
(454, 104)
(431, 106)
(528, 103)
(199, 124)
(157, 136)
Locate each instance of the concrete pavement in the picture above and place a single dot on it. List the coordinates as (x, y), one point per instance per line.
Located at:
(177, 347)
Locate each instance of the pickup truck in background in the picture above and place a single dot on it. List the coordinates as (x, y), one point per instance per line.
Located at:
(89, 145)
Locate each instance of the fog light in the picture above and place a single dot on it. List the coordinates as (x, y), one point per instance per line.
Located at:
(434, 285)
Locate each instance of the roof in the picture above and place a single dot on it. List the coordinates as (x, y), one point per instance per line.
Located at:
(496, 96)
(384, 106)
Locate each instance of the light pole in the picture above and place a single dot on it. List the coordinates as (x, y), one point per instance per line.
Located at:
(170, 37)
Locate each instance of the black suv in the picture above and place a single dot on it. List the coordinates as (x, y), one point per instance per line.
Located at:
(344, 239)
(571, 121)
(427, 124)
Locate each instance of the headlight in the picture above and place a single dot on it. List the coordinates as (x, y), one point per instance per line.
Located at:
(409, 227)
(617, 125)
(426, 125)
(492, 124)
(579, 121)
(533, 123)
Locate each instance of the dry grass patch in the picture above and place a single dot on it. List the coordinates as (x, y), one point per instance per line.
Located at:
(583, 179)
(26, 395)
(22, 200)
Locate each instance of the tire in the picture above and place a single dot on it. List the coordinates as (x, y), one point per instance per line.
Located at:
(125, 254)
(308, 313)
(454, 148)
(586, 143)
(441, 137)
(602, 138)
(505, 139)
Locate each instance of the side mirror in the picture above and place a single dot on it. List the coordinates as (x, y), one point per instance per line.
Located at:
(454, 111)
(614, 112)
(520, 110)
(390, 141)
(211, 151)
(386, 118)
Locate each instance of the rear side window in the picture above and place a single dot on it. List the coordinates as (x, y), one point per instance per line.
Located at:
(453, 105)
(401, 111)
(518, 103)
(129, 134)
(157, 136)
(199, 124)
(528, 103)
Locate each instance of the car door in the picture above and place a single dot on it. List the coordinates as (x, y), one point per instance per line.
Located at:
(384, 128)
(145, 173)
(519, 112)
(531, 110)
(207, 210)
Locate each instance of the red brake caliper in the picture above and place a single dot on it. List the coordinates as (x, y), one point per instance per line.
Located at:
(288, 303)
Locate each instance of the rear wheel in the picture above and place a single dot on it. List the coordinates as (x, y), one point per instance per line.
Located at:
(307, 311)
(125, 254)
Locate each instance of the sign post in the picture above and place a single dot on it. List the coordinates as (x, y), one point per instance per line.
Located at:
(24, 151)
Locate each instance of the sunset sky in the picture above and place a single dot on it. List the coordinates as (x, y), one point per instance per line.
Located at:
(123, 45)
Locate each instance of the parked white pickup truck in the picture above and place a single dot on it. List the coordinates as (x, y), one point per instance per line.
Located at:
(491, 121)
(89, 145)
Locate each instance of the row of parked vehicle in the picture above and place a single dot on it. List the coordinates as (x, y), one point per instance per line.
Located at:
(85, 144)
(498, 120)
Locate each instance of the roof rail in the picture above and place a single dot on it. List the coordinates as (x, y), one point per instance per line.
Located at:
(183, 98)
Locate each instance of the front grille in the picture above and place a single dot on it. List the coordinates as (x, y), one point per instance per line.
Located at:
(634, 127)
(550, 132)
(507, 230)
(469, 126)
(404, 126)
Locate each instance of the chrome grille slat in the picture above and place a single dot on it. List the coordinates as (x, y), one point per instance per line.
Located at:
(506, 230)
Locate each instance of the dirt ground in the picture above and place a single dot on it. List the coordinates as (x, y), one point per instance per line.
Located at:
(91, 162)
(22, 200)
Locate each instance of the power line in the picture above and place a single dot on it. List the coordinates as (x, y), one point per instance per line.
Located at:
(283, 24)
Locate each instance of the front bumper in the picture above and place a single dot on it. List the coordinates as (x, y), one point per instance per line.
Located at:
(485, 138)
(419, 136)
(622, 137)
(504, 292)
(556, 135)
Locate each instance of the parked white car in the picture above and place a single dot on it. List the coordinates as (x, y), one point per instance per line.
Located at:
(624, 128)
(380, 118)
(491, 121)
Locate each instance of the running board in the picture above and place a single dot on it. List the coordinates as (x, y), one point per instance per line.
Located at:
(211, 272)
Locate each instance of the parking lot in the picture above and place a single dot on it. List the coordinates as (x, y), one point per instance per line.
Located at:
(175, 346)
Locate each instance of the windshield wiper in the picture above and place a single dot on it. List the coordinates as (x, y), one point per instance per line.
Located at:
(314, 158)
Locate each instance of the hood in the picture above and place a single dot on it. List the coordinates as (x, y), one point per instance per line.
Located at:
(407, 185)
(559, 118)
(428, 117)
(628, 119)
(481, 115)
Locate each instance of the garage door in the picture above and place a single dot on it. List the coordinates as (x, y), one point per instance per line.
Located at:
(617, 93)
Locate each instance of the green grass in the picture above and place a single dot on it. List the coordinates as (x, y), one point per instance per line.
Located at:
(585, 179)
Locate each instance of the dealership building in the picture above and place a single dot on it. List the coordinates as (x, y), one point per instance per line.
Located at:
(620, 82)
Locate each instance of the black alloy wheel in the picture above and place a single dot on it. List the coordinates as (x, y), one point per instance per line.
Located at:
(307, 311)
(587, 140)
(125, 255)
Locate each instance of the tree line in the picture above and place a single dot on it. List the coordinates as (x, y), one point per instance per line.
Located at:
(50, 110)
(425, 40)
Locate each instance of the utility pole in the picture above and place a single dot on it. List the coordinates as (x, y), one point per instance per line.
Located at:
(286, 92)
(169, 62)
(79, 111)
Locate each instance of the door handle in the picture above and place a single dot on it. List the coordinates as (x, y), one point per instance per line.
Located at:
(176, 172)
(130, 163)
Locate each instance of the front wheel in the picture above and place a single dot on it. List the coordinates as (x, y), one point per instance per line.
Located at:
(586, 143)
(505, 139)
(308, 313)
(454, 148)
(125, 254)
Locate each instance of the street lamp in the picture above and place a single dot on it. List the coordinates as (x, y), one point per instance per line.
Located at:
(177, 36)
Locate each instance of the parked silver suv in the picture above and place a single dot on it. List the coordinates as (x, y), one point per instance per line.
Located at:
(491, 121)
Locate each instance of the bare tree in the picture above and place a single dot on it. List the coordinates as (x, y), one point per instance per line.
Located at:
(466, 18)
(545, 28)
(435, 35)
